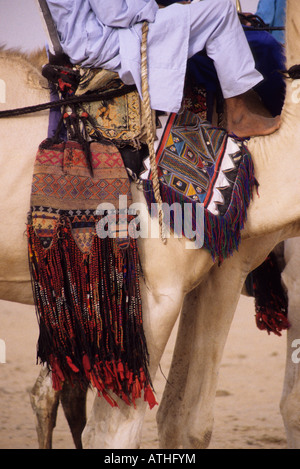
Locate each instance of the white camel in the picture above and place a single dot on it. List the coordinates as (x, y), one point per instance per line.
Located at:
(187, 404)
(160, 294)
(188, 281)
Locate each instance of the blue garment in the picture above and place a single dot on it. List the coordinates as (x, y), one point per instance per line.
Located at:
(107, 34)
(269, 61)
(88, 29)
(273, 14)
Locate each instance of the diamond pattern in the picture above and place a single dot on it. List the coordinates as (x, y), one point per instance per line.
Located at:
(67, 176)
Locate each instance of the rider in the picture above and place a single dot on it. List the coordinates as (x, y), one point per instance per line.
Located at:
(107, 34)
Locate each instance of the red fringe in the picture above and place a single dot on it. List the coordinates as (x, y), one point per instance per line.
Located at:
(222, 234)
(271, 300)
(271, 321)
(90, 314)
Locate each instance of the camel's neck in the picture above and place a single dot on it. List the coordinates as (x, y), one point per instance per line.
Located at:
(277, 157)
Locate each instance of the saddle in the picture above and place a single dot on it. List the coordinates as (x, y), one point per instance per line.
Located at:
(120, 119)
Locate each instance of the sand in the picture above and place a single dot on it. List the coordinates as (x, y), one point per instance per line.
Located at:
(247, 412)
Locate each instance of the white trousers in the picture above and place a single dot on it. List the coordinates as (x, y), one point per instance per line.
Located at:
(215, 26)
(178, 32)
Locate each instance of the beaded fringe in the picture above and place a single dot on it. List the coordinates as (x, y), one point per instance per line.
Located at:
(222, 234)
(90, 315)
(271, 299)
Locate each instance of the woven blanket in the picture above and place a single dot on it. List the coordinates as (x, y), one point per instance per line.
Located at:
(121, 119)
(200, 164)
(86, 286)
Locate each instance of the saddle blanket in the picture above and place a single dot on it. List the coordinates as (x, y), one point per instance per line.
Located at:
(86, 287)
(201, 164)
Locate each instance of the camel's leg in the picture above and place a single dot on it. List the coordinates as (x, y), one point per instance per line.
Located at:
(73, 401)
(119, 428)
(169, 271)
(290, 400)
(185, 416)
(44, 402)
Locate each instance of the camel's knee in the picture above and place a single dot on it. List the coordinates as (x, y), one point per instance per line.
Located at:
(42, 396)
(114, 427)
(199, 441)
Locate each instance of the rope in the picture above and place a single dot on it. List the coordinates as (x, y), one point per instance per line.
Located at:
(266, 28)
(257, 23)
(149, 127)
(72, 100)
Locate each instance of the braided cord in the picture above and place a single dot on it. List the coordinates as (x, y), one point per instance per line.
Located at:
(149, 127)
(105, 95)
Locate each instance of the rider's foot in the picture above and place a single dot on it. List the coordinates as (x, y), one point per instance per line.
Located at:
(243, 122)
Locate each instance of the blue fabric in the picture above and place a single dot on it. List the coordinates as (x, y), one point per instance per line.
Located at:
(268, 54)
(273, 14)
(269, 60)
(96, 33)
(102, 33)
(107, 33)
(88, 29)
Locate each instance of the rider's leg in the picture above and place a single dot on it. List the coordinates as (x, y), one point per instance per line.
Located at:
(215, 26)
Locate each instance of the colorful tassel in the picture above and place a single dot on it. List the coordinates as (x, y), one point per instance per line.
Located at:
(222, 234)
(90, 314)
(271, 299)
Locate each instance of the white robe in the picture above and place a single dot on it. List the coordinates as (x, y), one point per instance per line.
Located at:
(107, 33)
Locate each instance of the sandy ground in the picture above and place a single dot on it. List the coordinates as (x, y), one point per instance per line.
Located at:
(246, 408)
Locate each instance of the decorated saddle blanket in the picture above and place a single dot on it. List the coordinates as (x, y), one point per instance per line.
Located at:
(86, 279)
(121, 119)
(201, 164)
(84, 263)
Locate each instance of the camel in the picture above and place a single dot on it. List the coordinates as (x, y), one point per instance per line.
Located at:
(24, 87)
(206, 295)
(183, 405)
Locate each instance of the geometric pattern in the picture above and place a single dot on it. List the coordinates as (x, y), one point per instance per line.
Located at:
(62, 173)
(118, 119)
(201, 167)
(75, 187)
(198, 161)
(63, 188)
(85, 285)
